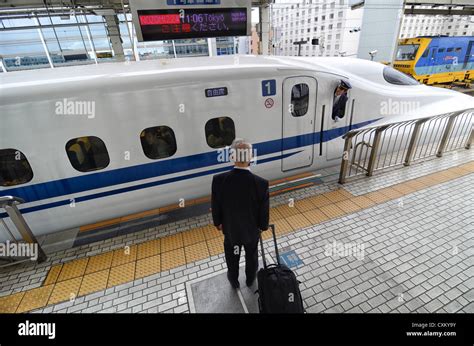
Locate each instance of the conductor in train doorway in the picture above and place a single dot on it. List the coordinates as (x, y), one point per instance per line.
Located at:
(340, 100)
(240, 209)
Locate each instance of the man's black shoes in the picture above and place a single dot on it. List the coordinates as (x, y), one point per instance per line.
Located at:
(233, 282)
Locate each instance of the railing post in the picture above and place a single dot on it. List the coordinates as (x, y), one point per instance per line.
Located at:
(345, 157)
(447, 131)
(373, 151)
(470, 140)
(9, 204)
(413, 140)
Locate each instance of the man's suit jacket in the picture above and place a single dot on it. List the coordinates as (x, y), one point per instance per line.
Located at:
(339, 108)
(240, 203)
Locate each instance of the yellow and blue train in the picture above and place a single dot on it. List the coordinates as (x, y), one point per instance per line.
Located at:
(433, 60)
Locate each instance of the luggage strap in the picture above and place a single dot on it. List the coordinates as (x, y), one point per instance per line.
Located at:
(272, 226)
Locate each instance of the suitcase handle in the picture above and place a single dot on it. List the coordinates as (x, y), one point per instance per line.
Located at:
(272, 226)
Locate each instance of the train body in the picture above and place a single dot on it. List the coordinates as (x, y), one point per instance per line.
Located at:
(79, 144)
(433, 60)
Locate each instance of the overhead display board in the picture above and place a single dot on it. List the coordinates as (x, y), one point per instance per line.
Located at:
(157, 20)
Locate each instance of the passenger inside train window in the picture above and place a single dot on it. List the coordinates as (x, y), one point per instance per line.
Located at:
(299, 100)
(87, 153)
(14, 168)
(220, 132)
(340, 100)
(158, 142)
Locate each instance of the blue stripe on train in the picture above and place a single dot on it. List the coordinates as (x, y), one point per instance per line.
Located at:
(70, 186)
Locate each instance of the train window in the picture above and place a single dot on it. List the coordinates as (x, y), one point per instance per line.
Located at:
(14, 168)
(425, 53)
(458, 49)
(396, 77)
(407, 52)
(299, 100)
(220, 132)
(158, 142)
(441, 50)
(87, 154)
(450, 49)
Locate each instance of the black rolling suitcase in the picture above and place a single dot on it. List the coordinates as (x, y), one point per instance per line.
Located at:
(278, 288)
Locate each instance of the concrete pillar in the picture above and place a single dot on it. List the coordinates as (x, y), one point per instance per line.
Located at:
(212, 46)
(380, 29)
(265, 30)
(113, 31)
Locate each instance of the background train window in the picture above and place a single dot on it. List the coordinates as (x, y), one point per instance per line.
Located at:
(425, 53)
(14, 168)
(220, 132)
(299, 100)
(158, 142)
(450, 49)
(441, 50)
(87, 153)
(458, 49)
(399, 78)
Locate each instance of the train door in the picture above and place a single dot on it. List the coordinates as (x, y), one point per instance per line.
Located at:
(298, 122)
(469, 53)
(432, 60)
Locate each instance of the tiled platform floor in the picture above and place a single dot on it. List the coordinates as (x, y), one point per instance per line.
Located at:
(407, 230)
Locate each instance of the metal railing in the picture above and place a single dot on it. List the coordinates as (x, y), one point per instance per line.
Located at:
(9, 204)
(378, 147)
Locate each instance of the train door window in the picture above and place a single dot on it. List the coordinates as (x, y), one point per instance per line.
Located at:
(87, 154)
(425, 53)
(340, 99)
(14, 168)
(299, 100)
(220, 132)
(158, 142)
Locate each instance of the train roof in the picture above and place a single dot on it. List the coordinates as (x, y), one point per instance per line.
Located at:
(239, 66)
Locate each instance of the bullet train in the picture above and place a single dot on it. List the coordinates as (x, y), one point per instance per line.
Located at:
(91, 143)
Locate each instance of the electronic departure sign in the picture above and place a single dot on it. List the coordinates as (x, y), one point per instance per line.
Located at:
(181, 19)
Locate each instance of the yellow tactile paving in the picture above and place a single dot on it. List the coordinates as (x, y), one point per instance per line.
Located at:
(53, 275)
(320, 201)
(403, 188)
(211, 232)
(348, 206)
(298, 221)
(121, 274)
(304, 205)
(282, 227)
(332, 211)
(73, 269)
(196, 252)
(285, 210)
(173, 251)
(124, 255)
(275, 215)
(94, 282)
(315, 216)
(172, 242)
(9, 304)
(65, 290)
(337, 195)
(378, 197)
(148, 266)
(391, 193)
(215, 246)
(172, 259)
(193, 236)
(149, 248)
(99, 262)
(35, 298)
(363, 201)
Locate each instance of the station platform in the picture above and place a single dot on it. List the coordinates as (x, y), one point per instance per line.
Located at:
(400, 241)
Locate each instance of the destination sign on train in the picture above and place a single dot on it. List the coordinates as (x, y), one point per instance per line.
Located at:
(192, 23)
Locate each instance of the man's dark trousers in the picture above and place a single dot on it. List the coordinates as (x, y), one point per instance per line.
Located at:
(232, 258)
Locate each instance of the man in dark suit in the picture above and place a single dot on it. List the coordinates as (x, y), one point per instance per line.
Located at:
(240, 209)
(340, 100)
